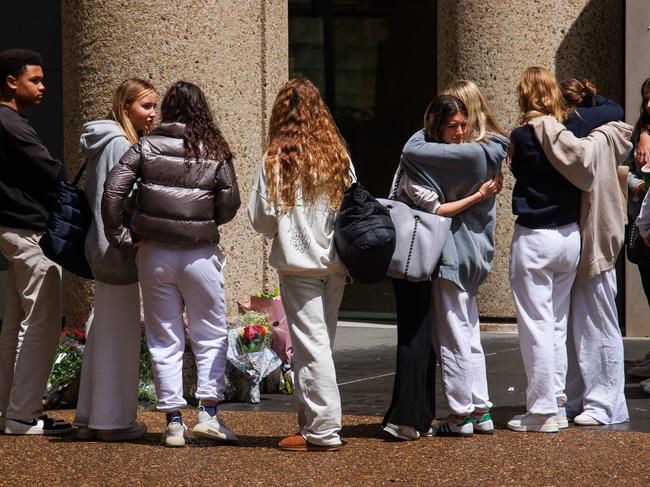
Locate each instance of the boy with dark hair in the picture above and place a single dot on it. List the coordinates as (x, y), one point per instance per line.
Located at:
(29, 179)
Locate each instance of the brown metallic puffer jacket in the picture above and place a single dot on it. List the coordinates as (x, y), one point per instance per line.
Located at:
(177, 202)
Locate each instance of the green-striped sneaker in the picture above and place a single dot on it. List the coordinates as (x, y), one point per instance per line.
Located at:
(453, 427)
(483, 424)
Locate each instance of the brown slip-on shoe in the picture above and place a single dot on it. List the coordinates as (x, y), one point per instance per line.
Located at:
(298, 443)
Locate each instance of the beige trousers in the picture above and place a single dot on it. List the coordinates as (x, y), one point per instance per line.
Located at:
(31, 324)
(312, 307)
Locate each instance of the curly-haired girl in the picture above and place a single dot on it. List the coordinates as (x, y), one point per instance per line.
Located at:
(295, 199)
(187, 189)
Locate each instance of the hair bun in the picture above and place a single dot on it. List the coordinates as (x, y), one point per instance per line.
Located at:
(589, 91)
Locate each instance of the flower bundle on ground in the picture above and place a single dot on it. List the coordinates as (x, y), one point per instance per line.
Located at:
(254, 332)
(147, 397)
(67, 365)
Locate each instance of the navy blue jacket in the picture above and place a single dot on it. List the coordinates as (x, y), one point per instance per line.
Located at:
(585, 119)
(542, 197)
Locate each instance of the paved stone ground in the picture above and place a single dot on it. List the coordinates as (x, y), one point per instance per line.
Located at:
(364, 356)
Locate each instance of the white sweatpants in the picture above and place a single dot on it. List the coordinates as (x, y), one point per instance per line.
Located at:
(312, 305)
(596, 375)
(110, 371)
(173, 278)
(31, 324)
(543, 264)
(457, 341)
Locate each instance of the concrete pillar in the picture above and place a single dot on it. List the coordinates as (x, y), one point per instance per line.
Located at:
(637, 59)
(236, 51)
(492, 42)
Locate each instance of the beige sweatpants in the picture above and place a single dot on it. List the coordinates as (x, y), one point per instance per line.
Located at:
(312, 307)
(31, 324)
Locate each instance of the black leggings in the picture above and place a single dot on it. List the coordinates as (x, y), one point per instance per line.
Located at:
(413, 402)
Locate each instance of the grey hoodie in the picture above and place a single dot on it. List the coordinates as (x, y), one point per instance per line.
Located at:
(455, 171)
(103, 143)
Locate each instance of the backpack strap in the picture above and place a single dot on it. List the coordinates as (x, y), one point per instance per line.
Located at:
(80, 173)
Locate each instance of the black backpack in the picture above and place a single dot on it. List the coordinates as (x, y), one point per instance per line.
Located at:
(65, 235)
(364, 235)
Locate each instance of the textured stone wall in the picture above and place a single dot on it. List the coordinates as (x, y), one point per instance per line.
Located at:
(235, 50)
(493, 41)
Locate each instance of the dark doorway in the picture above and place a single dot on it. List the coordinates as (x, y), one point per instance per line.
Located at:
(375, 64)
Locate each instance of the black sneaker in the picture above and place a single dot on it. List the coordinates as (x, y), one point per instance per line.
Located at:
(37, 426)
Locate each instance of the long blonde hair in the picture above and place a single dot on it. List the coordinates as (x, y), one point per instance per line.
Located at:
(305, 149)
(129, 91)
(479, 116)
(539, 93)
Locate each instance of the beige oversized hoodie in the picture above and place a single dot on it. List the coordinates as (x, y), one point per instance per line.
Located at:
(590, 164)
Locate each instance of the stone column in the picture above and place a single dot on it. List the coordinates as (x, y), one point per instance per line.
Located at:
(492, 42)
(235, 50)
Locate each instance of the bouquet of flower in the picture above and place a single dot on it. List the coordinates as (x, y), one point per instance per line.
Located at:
(270, 304)
(67, 365)
(254, 332)
(250, 357)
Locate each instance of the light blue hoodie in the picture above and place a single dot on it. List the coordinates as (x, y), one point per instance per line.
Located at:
(103, 143)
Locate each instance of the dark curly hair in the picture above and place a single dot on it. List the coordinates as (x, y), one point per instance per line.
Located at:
(185, 103)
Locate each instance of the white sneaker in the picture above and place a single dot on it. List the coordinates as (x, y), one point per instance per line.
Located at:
(584, 419)
(212, 428)
(401, 432)
(561, 418)
(453, 427)
(539, 423)
(174, 434)
(482, 423)
(38, 426)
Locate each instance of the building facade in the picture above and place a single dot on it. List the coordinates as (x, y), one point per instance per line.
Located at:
(377, 63)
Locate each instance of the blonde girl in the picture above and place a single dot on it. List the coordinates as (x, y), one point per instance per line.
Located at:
(295, 199)
(107, 404)
(543, 257)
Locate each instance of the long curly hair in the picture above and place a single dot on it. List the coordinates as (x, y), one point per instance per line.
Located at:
(185, 103)
(305, 152)
(539, 93)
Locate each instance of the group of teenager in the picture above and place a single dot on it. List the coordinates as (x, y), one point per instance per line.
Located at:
(159, 194)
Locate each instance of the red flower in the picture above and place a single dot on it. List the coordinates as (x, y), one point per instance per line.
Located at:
(249, 333)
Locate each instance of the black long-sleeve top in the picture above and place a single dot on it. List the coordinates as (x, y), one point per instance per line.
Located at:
(29, 175)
